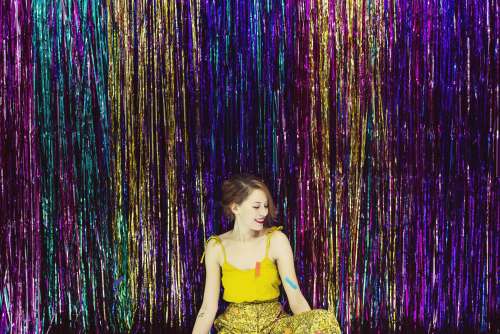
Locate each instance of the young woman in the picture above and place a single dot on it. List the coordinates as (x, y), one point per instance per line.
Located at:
(254, 259)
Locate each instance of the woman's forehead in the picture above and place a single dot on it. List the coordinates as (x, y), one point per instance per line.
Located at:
(257, 196)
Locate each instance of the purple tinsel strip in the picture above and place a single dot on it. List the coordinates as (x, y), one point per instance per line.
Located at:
(20, 302)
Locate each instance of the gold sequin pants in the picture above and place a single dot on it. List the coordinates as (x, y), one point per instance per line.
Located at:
(269, 318)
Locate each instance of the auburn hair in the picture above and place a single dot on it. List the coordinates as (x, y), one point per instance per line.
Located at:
(238, 187)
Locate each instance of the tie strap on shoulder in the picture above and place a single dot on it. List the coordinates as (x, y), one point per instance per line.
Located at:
(218, 240)
(269, 233)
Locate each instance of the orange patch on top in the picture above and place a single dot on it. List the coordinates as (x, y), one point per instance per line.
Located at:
(257, 269)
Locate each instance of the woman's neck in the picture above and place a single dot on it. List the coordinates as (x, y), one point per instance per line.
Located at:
(244, 234)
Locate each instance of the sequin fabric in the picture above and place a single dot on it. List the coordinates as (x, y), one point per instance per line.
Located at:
(269, 318)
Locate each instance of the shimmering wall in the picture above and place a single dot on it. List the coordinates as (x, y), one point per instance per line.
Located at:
(374, 122)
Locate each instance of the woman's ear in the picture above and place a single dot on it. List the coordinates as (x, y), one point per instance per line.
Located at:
(234, 208)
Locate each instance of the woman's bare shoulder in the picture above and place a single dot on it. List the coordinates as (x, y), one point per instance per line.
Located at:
(214, 250)
(279, 241)
(214, 243)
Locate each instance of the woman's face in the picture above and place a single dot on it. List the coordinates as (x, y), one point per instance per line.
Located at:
(253, 210)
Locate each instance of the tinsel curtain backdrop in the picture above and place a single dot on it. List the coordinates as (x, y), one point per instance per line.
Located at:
(375, 124)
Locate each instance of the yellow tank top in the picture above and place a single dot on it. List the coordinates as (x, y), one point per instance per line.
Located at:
(260, 283)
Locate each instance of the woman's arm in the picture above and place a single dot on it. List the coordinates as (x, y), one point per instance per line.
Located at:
(208, 309)
(284, 256)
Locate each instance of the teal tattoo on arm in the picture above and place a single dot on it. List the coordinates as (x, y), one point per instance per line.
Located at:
(291, 283)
